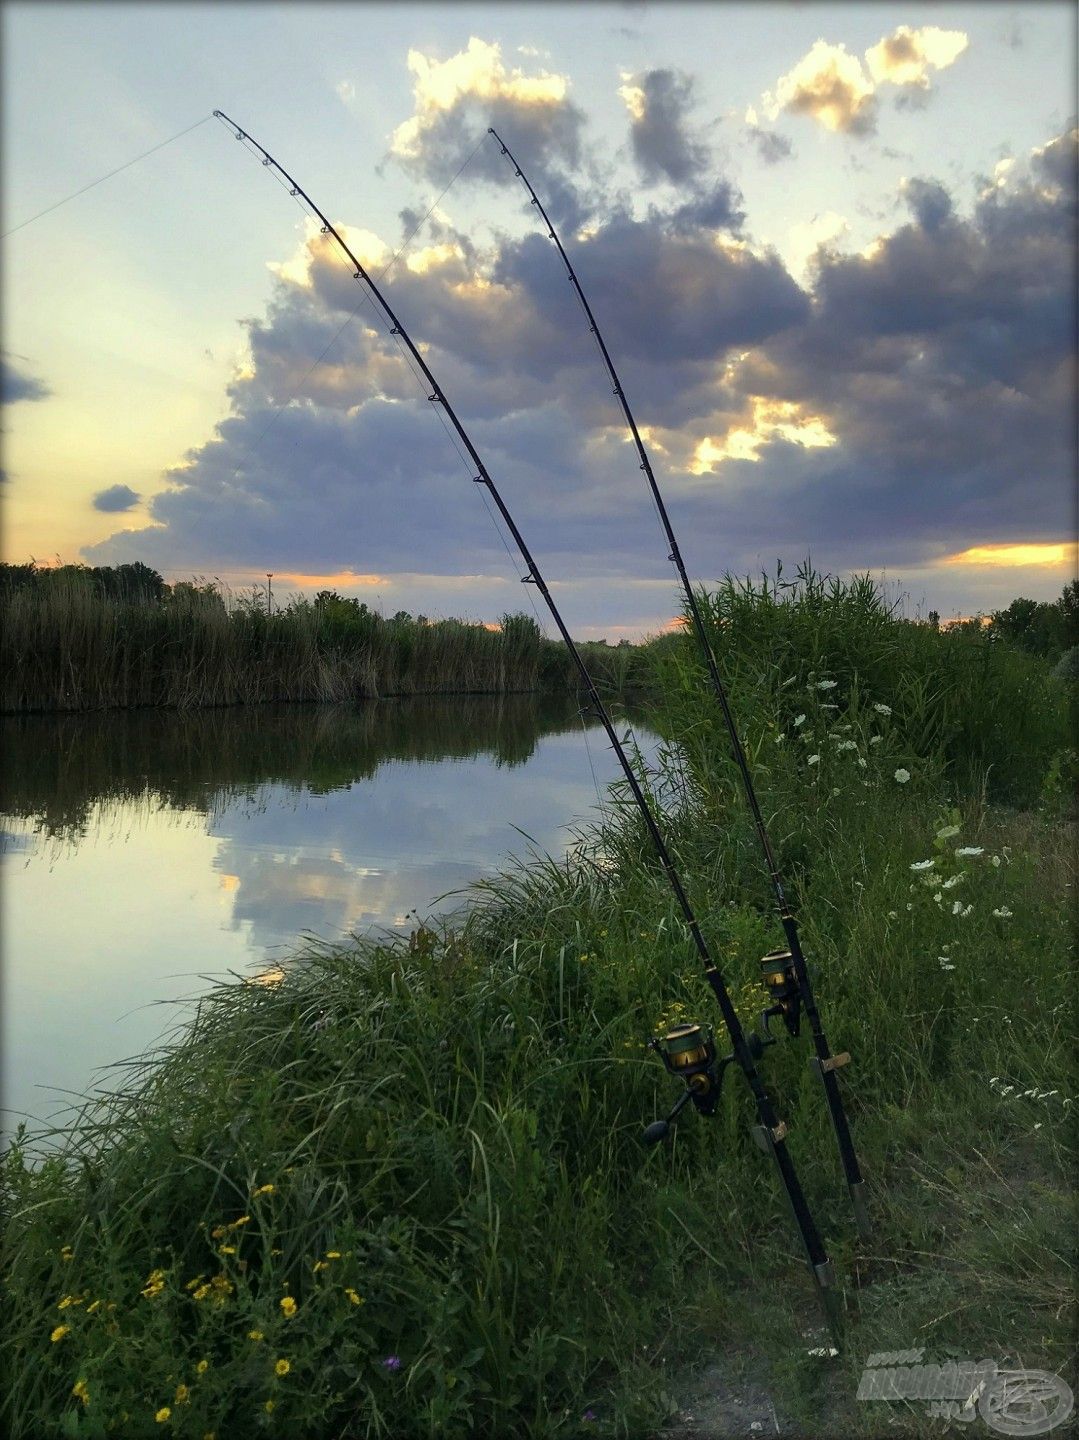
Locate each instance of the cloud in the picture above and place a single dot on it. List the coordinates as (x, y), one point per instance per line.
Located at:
(906, 56)
(658, 102)
(897, 406)
(116, 498)
(458, 98)
(16, 384)
(833, 87)
(830, 86)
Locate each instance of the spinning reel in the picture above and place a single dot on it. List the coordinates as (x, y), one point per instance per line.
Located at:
(689, 1051)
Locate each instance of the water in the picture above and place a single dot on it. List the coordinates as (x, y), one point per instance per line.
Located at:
(145, 851)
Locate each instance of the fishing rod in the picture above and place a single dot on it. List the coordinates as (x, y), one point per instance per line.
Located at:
(784, 973)
(689, 1051)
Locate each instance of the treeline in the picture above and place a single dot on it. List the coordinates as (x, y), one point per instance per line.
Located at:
(90, 638)
(1048, 629)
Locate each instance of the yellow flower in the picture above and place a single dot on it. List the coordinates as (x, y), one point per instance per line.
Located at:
(70, 1300)
(263, 1190)
(255, 1335)
(202, 1367)
(209, 1435)
(356, 1299)
(243, 1220)
(163, 1414)
(282, 1367)
(319, 1265)
(59, 1333)
(201, 1293)
(80, 1391)
(194, 1284)
(95, 1305)
(217, 1233)
(154, 1289)
(288, 1307)
(182, 1395)
(66, 1252)
(228, 1250)
(333, 1254)
(268, 1407)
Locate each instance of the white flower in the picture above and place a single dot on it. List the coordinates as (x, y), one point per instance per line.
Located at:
(996, 862)
(813, 759)
(902, 776)
(893, 914)
(938, 897)
(945, 963)
(780, 738)
(971, 850)
(909, 905)
(799, 720)
(882, 709)
(875, 740)
(1003, 913)
(835, 789)
(923, 864)
(827, 684)
(861, 761)
(947, 832)
(846, 745)
(954, 881)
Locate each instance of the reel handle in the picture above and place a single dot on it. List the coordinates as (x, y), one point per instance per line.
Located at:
(660, 1129)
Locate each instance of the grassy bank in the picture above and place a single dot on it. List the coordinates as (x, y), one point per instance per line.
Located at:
(67, 643)
(402, 1192)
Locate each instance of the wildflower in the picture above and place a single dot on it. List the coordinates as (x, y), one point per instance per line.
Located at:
(80, 1391)
(94, 1305)
(971, 850)
(263, 1190)
(320, 1265)
(944, 962)
(288, 1307)
(66, 1252)
(243, 1220)
(846, 745)
(953, 880)
(881, 708)
(862, 761)
(995, 860)
(163, 1414)
(959, 909)
(392, 1362)
(269, 1406)
(201, 1293)
(202, 1367)
(282, 1367)
(827, 684)
(227, 1250)
(582, 957)
(70, 1300)
(893, 914)
(1003, 913)
(799, 720)
(923, 864)
(336, 1254)
(875, 740)
(780, 738)
(947, 832)
(217, 1233)
(902, 776)
(813, 760)
(182, 1395)
(938, 897)
(194, 1284)
(589, 1415)
(255, 1335)
(59, 1333)
(352, 1295)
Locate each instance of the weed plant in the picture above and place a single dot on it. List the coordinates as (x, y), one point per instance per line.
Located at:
(402, 1191)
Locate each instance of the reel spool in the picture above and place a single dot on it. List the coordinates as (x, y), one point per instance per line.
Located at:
(689, 1051)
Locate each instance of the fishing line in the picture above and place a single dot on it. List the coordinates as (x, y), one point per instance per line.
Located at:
(101, 178)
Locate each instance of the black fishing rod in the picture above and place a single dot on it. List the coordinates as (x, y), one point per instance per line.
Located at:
(689, 1052)
(784, 973)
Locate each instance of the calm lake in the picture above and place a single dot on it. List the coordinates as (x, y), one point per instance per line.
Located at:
(144, 852)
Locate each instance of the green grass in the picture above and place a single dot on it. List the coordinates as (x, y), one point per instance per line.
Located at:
(457, 1117)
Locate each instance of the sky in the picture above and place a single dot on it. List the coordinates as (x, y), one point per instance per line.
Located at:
(831, 249)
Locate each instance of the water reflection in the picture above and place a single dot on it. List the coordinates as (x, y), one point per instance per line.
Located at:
(143, 850)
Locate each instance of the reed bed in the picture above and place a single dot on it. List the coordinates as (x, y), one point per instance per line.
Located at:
(402, 1191)
(67, 645)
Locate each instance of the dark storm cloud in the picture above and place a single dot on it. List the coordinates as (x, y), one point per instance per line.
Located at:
(941, 361)
(116, 498)
(662, 145)
(16, 384)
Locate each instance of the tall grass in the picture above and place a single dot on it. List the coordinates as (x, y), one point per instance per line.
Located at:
(66, 645)
(402, 1191)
